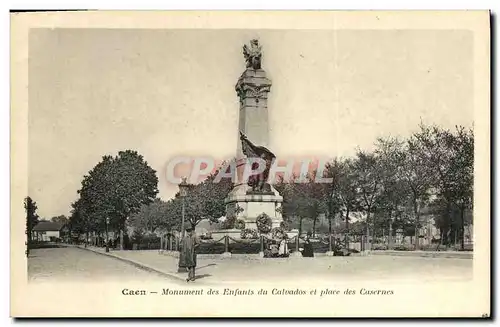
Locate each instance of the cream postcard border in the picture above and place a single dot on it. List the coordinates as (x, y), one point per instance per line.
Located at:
(99, 299)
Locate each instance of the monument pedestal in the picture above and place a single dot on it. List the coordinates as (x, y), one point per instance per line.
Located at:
(247, 205)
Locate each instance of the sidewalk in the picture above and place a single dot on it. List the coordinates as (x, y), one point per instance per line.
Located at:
(147, 260)
(427, 254)
(241, 269)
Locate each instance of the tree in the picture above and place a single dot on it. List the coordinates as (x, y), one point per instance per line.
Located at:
(316, 196)
(289, 207)
(400, 174)
(418, 180)
(31, 219)
(299, 201)
(116, 188)
(62, 219)
(333, 197)
(154, 216)
(213, 192)
(134, 183)
(463, 170)
(96, 201)
(367, 172)
(204, 200)
(450, 157)
(347, 192)
(81, 220)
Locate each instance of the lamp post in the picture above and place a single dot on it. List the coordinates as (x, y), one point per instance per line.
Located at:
(107, 240)
(183, 189)
(389, 238)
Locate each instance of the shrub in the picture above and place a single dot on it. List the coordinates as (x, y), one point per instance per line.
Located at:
(240, 224)
(278, 233)
(285, 225)
(376, 247)
(229, 222)
(244, 248)
(249, 234)
(145, 242)
(137, 236)
(403, 247)
(206, 236)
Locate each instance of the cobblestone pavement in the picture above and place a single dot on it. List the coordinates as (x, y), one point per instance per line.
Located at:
(69, 264)
(240, 269)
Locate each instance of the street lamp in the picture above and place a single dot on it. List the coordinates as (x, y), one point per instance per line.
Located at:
(183, 190)
(107, 240)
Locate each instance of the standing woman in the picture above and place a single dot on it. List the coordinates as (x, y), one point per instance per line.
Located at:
(308, 247)
(187, 257)
(283, 249)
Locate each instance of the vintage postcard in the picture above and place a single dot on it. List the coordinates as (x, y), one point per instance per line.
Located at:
(250, 164)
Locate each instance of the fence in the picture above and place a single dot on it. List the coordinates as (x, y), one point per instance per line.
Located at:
(255, 245)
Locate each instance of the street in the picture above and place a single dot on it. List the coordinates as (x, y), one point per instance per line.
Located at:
(70, 264)
(320, 268)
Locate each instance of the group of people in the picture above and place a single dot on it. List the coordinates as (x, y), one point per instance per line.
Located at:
(277, 249)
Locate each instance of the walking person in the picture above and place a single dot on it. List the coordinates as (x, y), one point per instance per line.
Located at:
(187, 256)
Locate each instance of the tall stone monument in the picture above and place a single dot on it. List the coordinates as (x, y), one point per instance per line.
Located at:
(249, 200)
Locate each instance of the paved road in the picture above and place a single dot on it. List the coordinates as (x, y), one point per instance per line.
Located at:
(359, 268)
(68, 264)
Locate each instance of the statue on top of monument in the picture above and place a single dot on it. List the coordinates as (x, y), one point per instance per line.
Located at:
(253, 54)
(258, 182)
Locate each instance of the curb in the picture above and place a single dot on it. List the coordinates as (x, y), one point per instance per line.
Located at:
(423, 254)
(135, 263)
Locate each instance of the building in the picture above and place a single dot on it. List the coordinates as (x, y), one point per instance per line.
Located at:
(47, 231)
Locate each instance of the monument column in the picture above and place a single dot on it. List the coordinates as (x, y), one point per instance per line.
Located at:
(252, 89)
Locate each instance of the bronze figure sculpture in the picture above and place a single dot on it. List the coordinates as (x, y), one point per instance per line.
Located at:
(258, 182)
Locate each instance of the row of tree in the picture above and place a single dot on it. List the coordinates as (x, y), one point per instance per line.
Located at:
(122, 191)
(430, 171)
(203, 201)
(32, 219)
(391, 185)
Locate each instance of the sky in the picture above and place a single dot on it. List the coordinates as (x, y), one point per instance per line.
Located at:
(165, 93)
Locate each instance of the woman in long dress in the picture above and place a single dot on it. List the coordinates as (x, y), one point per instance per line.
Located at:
(283, 250)
(308, 247)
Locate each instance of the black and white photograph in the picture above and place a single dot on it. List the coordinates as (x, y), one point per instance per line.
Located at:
(280, 169)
